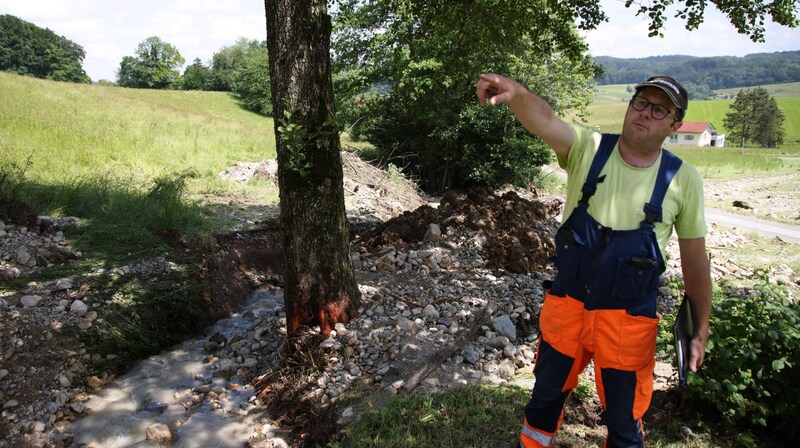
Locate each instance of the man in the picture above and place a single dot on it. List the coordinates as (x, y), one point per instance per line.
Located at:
(624, 197)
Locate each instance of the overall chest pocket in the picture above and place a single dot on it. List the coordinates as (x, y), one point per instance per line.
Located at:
(636, 277)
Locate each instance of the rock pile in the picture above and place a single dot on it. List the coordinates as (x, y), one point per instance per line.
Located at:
(24, 251)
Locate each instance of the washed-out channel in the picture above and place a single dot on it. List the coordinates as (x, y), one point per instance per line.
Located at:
(167, 395)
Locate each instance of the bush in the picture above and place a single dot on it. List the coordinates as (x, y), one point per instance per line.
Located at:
(752, 369)
(496, 151)
(475, 145)
(405, 74)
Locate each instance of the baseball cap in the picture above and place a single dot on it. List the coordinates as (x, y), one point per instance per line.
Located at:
(672, 88)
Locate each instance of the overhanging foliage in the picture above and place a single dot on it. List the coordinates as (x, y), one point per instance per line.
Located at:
(405, 75)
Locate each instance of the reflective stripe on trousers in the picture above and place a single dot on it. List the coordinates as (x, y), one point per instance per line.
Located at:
(530, 437)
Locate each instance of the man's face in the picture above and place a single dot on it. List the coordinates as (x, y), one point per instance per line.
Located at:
(640, 128)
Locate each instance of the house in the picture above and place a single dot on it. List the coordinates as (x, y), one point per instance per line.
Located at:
(696, 133)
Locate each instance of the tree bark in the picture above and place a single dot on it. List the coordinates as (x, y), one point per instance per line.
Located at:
(319, 283)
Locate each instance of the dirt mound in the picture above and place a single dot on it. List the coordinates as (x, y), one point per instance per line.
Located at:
(518, 231)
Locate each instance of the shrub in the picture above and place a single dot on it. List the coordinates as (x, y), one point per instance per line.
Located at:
(495, 151)
(752, 369)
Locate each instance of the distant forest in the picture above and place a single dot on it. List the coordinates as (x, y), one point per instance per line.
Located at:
(705, 73)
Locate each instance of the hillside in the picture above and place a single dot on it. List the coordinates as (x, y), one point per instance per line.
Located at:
(718, 72)
(74, 130)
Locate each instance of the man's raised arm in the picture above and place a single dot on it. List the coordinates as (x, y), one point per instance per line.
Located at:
(532, 111)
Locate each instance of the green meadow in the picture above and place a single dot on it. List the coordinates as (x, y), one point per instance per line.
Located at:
(130, 162)
(72, 131)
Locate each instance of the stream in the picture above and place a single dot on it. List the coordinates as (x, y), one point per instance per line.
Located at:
(172, 388)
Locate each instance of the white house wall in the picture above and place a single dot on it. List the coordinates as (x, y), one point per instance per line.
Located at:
(691, 139)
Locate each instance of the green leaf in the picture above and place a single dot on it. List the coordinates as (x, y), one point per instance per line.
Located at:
(778, 364)
(773, 335)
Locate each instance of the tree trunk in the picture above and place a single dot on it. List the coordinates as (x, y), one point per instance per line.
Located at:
(319, 284)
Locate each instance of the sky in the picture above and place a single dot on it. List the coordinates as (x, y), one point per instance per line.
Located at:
(109, 30)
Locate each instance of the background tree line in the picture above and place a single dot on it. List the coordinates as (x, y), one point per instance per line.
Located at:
(707, 73)
(241, 68)
(30, 50)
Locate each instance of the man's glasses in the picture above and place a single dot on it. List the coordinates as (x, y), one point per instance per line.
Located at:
(658, 112)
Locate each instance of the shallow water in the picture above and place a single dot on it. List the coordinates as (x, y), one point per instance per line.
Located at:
(154, 390)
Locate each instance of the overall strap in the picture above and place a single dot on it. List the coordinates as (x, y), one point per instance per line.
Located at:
(670, 164)
(607, 144)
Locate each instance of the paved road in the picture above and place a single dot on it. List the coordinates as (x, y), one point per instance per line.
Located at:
(786, 232)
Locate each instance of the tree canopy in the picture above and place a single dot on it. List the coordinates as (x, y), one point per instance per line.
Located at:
(155, 66)
(405, 74)
(196, 77)
(243, 68)
(754, 117)
(30, 50)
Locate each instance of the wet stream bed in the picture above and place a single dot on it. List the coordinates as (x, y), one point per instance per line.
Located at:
(185, 396)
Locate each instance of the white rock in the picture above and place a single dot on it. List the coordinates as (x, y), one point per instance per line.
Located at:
(23, 257)
(506, 369)
(327, 343)
(159, 433)
(430, 312)
(78, 308)
(348, 412)
(250, 362)
(433, 234)
(505, 327)
(64, 381)
(30, 301)
(403, 324)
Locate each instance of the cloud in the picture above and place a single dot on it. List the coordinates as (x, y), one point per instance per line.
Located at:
(625, 36)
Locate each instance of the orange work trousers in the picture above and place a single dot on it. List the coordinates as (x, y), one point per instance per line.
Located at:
(623, 348)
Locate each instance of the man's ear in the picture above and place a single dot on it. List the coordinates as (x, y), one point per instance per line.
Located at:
(677, 125)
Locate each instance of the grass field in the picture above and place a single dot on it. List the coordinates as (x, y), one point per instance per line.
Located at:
(99, 151)
(126, 160)
(77, 130)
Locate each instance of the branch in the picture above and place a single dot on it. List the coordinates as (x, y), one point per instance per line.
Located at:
(444, 354)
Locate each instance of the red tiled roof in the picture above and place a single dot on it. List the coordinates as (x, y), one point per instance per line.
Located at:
(694, 127)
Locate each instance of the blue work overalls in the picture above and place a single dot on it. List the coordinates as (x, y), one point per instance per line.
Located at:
(602, 304)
